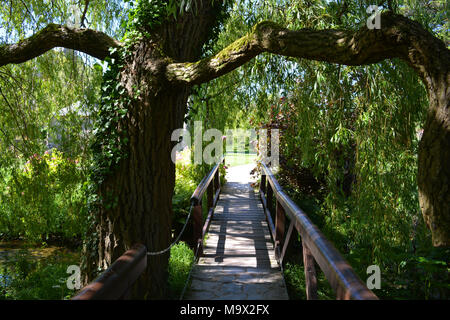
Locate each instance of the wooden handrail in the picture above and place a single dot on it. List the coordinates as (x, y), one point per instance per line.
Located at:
(344, 281)
(211, 185)
(115, 283)
(203, 185)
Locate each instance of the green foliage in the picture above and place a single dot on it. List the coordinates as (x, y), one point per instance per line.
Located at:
(364, 133)
(64, 105)
(43, 198)
(110, 144)
(24, 279)
(148, 15)
(49, 101)
(359, 139)
(181, 259)
(20, 18)
(423, 277)
(187, 179)
(222, 173)
(294, 275)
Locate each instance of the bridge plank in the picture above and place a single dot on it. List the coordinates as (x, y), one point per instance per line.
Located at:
(238, 262)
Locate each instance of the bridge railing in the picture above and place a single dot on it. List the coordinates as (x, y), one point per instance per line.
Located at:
(344, 281)
(115, 283)
(211, 185)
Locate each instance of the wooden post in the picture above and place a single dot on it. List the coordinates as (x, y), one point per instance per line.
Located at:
(310, 273)
(293, 246)
(287, 240)
(279, 229)
(263, 183)
(269, 198)
(216, 181)
(197, 218)
(210, 195)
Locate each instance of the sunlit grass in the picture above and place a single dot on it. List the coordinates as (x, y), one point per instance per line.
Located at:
(181, 259)
(239, 159)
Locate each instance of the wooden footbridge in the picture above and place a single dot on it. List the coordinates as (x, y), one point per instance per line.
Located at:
(238, 260)
(240, 247)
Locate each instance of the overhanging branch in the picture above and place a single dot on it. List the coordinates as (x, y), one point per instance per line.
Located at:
(92, 42)
(398, 37)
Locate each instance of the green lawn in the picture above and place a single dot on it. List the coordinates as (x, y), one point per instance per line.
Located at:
(238, 159)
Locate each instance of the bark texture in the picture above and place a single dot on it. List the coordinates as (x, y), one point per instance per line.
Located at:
(434, 159)
(92, 42)
(145, 181)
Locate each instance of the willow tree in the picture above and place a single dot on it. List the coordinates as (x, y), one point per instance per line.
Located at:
(146, 91)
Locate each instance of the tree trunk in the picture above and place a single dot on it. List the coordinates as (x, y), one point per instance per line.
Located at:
(434, 162)
(142, 187)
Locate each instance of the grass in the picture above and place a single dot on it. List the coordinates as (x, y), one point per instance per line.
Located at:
(294, 275)
(239, 159)
(181, 259)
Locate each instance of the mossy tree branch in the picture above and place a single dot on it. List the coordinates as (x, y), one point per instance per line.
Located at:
(92, 42)
(398, 37)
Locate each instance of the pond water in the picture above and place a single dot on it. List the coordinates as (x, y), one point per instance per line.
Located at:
(12, 251)
(5, 280)
(9, 250)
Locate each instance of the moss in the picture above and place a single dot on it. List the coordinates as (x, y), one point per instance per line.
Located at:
(52, 27)
(235, 46)
(260, 28)
(217, 62)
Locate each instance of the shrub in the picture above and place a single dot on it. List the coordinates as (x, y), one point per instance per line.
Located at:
(42, 198)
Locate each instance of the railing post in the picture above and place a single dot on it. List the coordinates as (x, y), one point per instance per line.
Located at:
(263, 182)
(310, 273)
(344, 281)
(210, 195)
(269, 198)
(197, 219)
(216, 181)
(279, 229)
